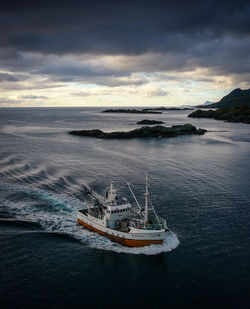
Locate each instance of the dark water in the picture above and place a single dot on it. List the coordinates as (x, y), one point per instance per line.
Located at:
(200, 184)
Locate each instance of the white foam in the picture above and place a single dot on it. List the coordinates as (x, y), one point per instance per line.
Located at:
(63, 220)
(170, 243)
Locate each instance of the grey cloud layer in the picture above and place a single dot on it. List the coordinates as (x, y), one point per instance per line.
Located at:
(119, 27)
(170, 36)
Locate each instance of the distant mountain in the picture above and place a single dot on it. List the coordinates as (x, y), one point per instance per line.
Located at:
(235, 98)
(204, 105)
(208, 103)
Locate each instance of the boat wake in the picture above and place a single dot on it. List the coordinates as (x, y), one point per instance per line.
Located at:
(170, 243)
(56, 214)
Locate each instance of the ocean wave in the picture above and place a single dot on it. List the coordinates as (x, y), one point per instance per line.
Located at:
(18, 222)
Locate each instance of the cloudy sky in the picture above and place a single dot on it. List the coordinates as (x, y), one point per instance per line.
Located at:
(122, 53)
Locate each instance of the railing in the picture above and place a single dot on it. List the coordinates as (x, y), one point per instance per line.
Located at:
(136, 217)
(159, 224)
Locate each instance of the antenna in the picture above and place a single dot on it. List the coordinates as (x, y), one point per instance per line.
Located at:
(111, 194)
(111, 189)
(146, 199)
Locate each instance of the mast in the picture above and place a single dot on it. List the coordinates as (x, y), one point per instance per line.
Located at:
(111, 193)
(146, 199)
(111, 188)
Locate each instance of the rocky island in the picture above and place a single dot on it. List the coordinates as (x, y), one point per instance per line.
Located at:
(153, 110)
(131, 111)
(148, 121)
(170, 108)
(237, 114)
(157, 131)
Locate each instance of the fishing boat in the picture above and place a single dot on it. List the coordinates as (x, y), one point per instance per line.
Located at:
(117, 219)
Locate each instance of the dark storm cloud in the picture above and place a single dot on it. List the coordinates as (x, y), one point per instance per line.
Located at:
(118, 27)
(183, 35)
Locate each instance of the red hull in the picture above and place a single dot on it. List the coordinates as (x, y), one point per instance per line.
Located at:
(124, 241)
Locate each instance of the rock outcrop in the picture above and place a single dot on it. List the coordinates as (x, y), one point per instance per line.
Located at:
(148, 121)
(236, 114)
(156, 131)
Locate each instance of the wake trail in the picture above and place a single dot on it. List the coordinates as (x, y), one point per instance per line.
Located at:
(57, 213)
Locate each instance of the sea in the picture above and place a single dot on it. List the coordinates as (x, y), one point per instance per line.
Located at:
(199, 183)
